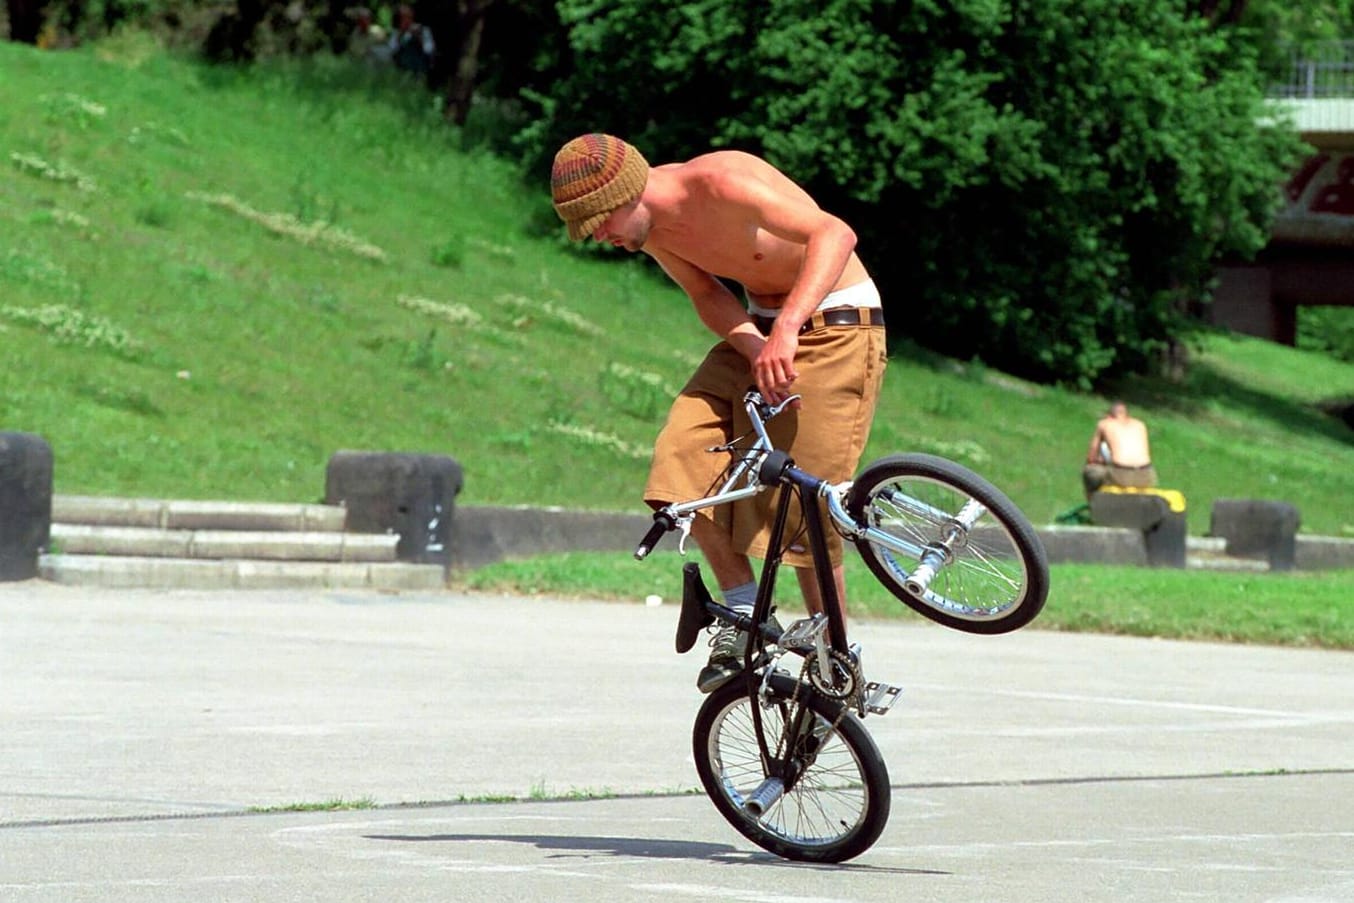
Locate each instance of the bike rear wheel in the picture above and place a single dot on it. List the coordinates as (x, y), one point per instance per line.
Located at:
(995, 577)
(838, 805)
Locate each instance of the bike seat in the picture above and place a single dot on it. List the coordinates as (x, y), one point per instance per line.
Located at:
(694, 616)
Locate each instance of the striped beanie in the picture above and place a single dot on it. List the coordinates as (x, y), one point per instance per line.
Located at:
(592, 176)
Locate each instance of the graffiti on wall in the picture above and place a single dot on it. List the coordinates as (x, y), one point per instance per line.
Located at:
(1319, 199)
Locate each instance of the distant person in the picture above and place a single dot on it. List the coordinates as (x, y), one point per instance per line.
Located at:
(411, 44)
(1119, 454)
(367, 41)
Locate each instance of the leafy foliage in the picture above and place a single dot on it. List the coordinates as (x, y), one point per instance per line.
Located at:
(1329, 330)
(1045, 185)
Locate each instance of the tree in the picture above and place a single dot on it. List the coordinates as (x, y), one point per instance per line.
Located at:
(25, 19)
(1044, 184)
(1222, 12)
(459, 28)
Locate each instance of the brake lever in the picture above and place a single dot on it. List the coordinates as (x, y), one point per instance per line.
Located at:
(684, 530)
(773, 410)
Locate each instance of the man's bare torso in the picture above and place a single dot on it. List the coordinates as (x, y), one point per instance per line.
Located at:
(728, 240)
(1127, 439)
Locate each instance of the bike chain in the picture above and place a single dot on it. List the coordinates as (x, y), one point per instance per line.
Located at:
(842, 712)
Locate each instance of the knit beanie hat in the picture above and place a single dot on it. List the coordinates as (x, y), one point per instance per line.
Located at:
(592, 176)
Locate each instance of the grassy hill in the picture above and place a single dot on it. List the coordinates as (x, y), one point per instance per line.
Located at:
(212, 280)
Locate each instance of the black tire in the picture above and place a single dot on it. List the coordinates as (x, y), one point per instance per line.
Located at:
(998, 578)
(836, 809)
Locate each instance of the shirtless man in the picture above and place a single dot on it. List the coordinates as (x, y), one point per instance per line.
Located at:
(1119, 454)
(811, 324)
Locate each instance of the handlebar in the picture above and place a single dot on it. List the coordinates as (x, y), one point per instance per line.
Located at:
(762, 451)
(662, 523)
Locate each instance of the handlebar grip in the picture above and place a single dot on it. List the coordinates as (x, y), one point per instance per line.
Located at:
(662, 523)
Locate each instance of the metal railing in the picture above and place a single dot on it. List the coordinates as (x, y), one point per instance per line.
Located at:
(1316, 70)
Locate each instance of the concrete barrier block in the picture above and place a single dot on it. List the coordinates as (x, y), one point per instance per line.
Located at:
(1315, 553)
(1140, 512)
(484, 535)
(25, 503)
(1163, 529)
(1101, 545)
(1166, 541)
(1258, 528)
(410, 495)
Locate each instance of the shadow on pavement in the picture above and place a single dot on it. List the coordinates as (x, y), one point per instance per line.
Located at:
(642, 848)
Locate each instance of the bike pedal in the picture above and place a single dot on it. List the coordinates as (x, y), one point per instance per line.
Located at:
(803, 634)
(879, 698)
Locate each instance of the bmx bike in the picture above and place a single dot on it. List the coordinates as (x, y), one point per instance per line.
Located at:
(781, 750)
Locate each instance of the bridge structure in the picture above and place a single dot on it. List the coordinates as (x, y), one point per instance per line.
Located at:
(1309, 259)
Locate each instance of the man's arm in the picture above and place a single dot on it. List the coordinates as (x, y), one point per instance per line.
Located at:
(1093, 455)
(720, 311)
(828, 243)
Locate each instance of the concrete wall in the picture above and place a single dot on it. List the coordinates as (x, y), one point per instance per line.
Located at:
(484, 535)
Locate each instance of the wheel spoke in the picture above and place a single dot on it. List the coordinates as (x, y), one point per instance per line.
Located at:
(948, 544)
(828, 801)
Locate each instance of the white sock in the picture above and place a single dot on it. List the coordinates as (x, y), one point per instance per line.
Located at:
(741, 599)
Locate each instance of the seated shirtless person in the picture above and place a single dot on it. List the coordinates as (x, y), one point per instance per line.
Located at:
(1119, 454)
(812, 325)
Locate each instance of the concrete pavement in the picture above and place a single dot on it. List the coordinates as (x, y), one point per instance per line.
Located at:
(144, 731)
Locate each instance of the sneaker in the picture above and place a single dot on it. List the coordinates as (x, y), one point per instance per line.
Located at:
(726, 659)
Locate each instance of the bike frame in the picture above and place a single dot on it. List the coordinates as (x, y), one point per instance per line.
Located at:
(774, 467)
(830, 683)
(757, 468)
(761, 467)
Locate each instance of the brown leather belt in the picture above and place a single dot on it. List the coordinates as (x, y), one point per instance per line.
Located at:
(833, 316)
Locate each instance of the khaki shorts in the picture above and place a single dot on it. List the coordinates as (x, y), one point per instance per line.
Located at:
(840, 371)
(1093, 476)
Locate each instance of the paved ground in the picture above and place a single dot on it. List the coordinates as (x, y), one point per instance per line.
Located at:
(141, 732)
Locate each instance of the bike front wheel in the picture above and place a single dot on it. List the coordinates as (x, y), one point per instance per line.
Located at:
(838, 802)
(991, 571)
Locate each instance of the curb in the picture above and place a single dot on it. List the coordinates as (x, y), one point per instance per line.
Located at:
(132, 572)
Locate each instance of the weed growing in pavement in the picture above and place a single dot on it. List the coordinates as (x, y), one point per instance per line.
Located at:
(335, 805)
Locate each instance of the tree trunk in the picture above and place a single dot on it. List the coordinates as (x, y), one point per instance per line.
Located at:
(25, 19)
(231, 39)
(1222, 12)
(461, 89)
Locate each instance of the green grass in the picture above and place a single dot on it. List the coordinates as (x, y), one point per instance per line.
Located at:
(213, 279)
(335, 805)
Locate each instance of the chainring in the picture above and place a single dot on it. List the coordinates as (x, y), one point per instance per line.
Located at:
(843, 681)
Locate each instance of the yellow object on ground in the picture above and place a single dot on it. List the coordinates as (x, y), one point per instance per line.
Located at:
(1175, 499)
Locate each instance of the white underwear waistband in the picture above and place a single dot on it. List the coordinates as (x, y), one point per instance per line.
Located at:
(862, 294)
